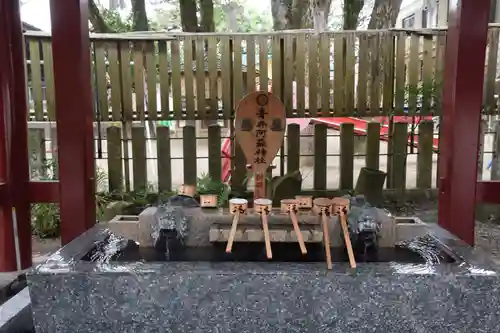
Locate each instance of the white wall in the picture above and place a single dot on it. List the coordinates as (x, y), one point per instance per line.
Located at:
(409, 7)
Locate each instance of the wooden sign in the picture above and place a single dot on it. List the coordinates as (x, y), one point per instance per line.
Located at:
(260, 128)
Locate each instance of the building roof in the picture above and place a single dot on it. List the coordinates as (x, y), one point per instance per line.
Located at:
(29, 27)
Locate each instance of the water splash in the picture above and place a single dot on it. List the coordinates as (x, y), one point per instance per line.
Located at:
(425, 246)
(111, 248)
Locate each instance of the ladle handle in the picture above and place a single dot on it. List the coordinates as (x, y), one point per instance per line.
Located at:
(300, 239)
(267, 239)
(326, 240)
(347, 238)
(234, 226)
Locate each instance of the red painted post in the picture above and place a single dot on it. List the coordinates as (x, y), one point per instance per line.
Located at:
(73, 101)
(7, 245)
(19, 162)
(462, 101)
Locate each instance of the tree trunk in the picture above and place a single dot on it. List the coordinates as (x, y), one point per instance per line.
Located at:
(299, 14)
(189, 21)
(384, 14)
(139, 15)
(351, 11)
(207, 16)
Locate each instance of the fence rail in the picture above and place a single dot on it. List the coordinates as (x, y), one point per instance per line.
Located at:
(349, 73)
(138, 77)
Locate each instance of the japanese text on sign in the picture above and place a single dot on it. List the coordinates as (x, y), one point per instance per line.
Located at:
(260, 132)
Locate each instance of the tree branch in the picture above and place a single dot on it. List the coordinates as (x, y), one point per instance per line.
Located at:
(96, 19)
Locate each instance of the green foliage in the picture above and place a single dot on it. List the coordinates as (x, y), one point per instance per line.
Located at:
(45, 217)
(206, 185)
(116, 22)
(45, 220)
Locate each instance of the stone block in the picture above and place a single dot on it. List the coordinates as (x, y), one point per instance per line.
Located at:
(408, 228)
(125, 225)
(146, 220)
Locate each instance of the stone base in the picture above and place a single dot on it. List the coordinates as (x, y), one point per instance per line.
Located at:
(70, 295)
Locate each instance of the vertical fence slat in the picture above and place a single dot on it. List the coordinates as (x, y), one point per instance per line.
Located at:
(276, 65)
(400, 137)
(101, 80)
(338, 74)
(55, 153)
(36, 79)
(201, 69)
(495, 164)
(151, 79)
(213, 77)
(37, 154)
(214, 155)
(424, 159)
(139, 158)
(288, 75)
(115, 161)
(413, 73)
(237, 71)
(320, 160)
(163, 68)
(346, 156)
(139, 81)
(350, 70)
(293, 148)
(324, 74)
(114, 78)
(388, 72)
(238, 168)
(189, 154)
(439, 71)
(176, 80)
(375, 75)
(263, 63)
(372, 159)
(427, 84)
(164, 163)
(126, 81)
(49, 79)
(313, 75)
(362, 75)
(399, 87)
(300, 77)
(188, 77)
(491, 71)
(251, 69)
(226, 76)
(126, 139)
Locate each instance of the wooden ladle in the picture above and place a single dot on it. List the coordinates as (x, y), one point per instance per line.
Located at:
(322, 207)
(263, 208)
(237, 207)
(290, 207)
(340, 207)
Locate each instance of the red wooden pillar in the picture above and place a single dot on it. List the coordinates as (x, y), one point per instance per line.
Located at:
(7, 245)
(19, 161)
(73, 102)
(462, 100)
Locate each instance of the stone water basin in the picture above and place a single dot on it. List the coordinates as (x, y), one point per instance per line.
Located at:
(443, 286)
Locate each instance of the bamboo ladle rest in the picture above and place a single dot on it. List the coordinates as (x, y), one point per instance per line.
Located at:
(237, 207)
(322, 207)
(262, 207)
(291, 207)
(340, 207)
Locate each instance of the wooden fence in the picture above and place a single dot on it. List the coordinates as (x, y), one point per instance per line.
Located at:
(354, 73)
